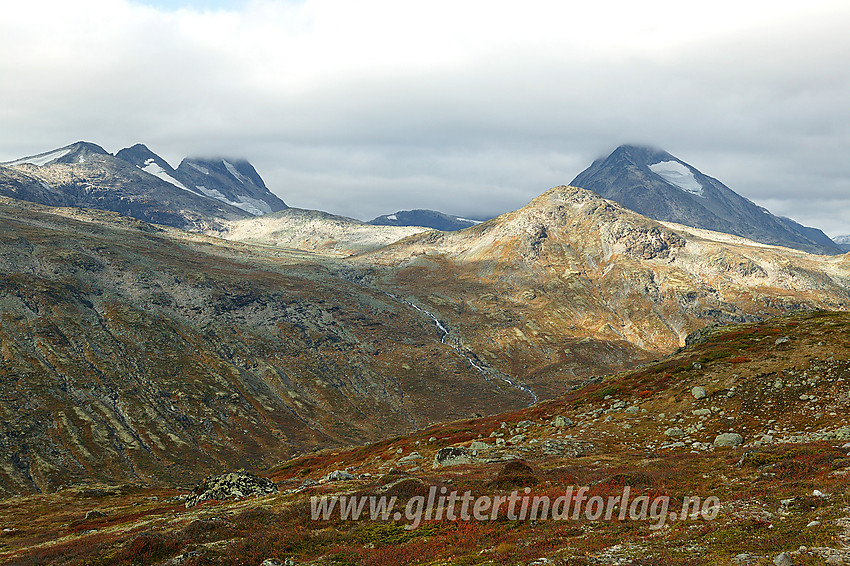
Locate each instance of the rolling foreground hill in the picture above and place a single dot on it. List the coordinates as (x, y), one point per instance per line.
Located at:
(749, 419)
(661, 186)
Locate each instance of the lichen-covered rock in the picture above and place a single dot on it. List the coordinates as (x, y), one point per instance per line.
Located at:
(233, 485)
(730, 439)
(452, 456)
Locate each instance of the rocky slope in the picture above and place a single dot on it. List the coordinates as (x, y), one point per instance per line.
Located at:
(131, 351)
(314, 231)
(426, 218)
(752, 415)
(661, 186)
(572, 278)
(136, 351)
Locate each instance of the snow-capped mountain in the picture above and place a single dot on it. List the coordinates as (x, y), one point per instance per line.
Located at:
(426, 218)
(85, 175)
(136, 182)
(656, 184)
(843, 242)
(231, 181)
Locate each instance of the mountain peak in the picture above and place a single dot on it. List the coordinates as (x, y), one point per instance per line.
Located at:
(74, 153)
(661, 186)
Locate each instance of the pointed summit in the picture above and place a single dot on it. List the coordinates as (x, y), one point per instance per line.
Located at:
(661, 186)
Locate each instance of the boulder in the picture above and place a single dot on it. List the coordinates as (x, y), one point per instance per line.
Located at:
(338, 475)
(730, 439)
(452, 456)
(412, 457)
(783, 559)
(560, 421)
(233, 485)
(698, 392)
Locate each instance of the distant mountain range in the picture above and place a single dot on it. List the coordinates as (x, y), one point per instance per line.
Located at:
(138, 183)
(663, 187)
(426, 218)
(843, 241)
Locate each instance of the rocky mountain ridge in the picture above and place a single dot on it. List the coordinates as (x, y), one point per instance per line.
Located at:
(138, 183)
(427, 218)
(572, 275)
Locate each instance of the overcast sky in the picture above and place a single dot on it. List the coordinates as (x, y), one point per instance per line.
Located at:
(470, 107)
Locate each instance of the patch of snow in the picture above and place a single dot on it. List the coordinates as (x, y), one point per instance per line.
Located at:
(679, 175)
(250, 205)
(81, 159)
(392, 217)
(459, 219)
(200, 168)
(236, 174)
(154, 169)
(212, 193)
(42, 159)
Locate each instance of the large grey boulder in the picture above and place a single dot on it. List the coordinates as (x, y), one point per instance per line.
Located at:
(730, 439)
(233, 485)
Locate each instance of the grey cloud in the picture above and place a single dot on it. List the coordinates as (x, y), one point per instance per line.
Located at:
(763, 110)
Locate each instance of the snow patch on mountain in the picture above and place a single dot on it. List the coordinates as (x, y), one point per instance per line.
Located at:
(43, 159)
(154, 169)
(678, 175)
(200, 168)
(250, 205)
(236, 174)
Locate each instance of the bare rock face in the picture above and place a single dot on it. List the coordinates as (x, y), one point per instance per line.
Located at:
(234, 485)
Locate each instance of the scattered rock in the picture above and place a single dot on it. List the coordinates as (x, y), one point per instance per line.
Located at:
(453, 456)
(561, 421)
(698, 392)
(234, 485)
(730, 439)
(518, 439)
(674, 432)
(783, 559)
(479, 445)
(412, 457)
(94, 514)
(782, 340)
(341, 475)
